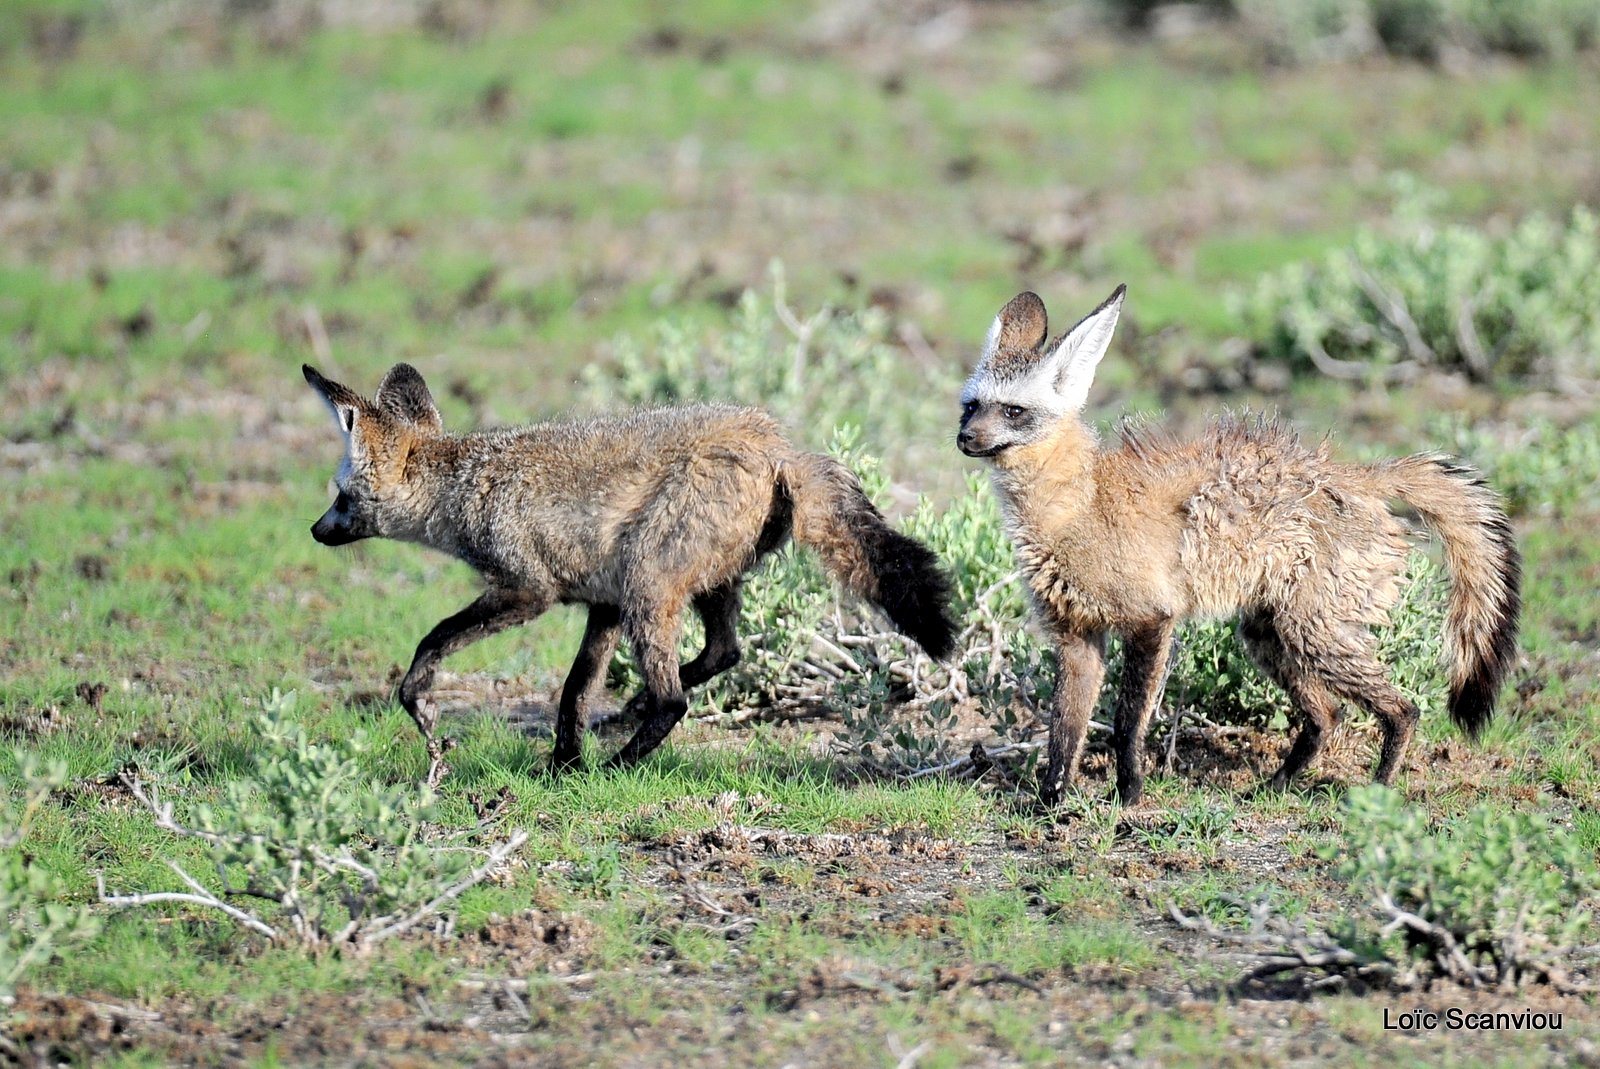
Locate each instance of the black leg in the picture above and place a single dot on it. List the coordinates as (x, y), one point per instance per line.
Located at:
(653, 631)
(599, 640)
(494, 611)
(719, 611)
(1144, 673)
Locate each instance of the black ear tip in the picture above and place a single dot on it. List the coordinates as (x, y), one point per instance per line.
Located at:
(403, 373)
(310, 373)
(1025, 304)
(1120, 292)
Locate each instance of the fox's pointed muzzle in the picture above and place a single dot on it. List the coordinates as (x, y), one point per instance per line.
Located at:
(334, 535)
(338, 526)
(968, 443)
(976, 444)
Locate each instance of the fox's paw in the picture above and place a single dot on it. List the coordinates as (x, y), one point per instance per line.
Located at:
(424, 711)
(1052, 788)
(565, 762)
(438, 769)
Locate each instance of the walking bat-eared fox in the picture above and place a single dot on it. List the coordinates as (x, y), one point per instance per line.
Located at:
(637, 516)
(1135, 537)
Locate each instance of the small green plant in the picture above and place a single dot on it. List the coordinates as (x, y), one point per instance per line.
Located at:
(1522, 305)
(1198, 827)
(36, 923)
(1495, 898)
(599, 875)
(330, 859)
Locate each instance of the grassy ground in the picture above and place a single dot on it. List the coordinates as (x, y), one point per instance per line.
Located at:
(190, 206)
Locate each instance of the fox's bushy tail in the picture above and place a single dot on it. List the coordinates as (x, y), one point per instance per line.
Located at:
(1485, 568)
(834, 517)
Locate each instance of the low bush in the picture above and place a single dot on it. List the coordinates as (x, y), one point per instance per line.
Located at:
(829, 368)
(1542, 468)
(34, 922)
(310, 852)
(1524, 305)
(1494, 898)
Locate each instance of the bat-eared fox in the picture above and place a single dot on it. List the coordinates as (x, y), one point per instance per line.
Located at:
(1134, 537)
(636, 516)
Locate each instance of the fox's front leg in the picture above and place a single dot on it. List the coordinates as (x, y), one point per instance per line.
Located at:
(494, 611)
(1146, 657)
(1080, 668)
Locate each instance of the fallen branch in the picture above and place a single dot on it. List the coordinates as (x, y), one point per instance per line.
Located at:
(497, 855)
(971, 760)
(200, 897)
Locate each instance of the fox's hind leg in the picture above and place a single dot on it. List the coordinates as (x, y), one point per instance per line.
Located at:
(1361, 677)
(719, 611)
(493, 612)
(588, 668)
(653, 628)
(1319, 665)
(1316, 707)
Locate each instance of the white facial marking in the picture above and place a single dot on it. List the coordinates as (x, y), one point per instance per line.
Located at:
(991, 342)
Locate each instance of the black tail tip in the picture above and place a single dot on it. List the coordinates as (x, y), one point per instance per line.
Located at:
(915, 593)
(1472, 707)
(936, 633)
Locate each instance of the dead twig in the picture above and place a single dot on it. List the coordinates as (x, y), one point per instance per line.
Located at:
(200, 897)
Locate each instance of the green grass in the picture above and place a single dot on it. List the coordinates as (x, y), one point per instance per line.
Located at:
(186, 203)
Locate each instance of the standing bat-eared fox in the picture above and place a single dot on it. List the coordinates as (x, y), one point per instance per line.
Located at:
(1136, 537)
(636, 516)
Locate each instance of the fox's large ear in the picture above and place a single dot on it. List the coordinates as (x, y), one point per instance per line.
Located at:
(1021, 326)
(1075, 359)
(345, 402)
(405, 396)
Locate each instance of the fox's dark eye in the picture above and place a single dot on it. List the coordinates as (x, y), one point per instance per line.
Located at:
(969, 408)
(1014, 411)
(342, 502)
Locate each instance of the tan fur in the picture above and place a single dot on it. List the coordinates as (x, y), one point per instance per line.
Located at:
(1244, 519)
(639, 516)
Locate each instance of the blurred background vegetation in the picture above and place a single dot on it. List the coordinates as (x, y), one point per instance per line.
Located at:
(1375, 216)
(498, 192)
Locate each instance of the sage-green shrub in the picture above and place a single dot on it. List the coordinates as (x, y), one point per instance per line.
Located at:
(34, 922)
(826, 369)
(1523, 305)
(1493, 897)
(310, 851)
